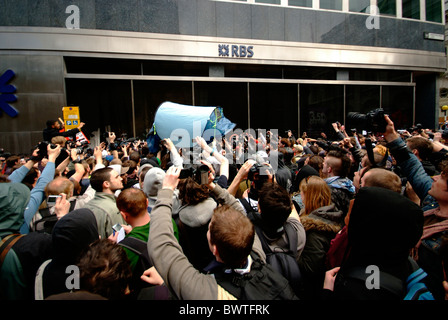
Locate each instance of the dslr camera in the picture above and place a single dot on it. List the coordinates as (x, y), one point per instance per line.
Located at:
(258, 172)
(199, 174)
(372, 121)
(43, 152)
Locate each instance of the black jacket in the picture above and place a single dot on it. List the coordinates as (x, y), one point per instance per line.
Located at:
(49, 133)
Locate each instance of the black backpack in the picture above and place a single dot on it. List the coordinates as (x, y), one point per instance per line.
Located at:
(284, 261)
(414, 288)
(139, 247)
(261, 283)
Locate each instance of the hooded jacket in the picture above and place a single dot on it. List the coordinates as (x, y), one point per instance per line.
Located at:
(321, 226)
(384, 226)
(72, 234)
(14, 198)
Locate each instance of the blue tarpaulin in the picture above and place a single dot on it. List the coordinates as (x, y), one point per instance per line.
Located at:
(182, 123)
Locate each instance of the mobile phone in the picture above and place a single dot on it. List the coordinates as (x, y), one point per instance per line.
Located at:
(117, 227)
(51, 200)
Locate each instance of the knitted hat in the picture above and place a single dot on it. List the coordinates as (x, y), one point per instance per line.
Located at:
(153, 181)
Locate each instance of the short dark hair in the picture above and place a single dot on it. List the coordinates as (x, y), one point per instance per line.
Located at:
(275, 206)
(50, 123)
(105, 270)
(98, 177)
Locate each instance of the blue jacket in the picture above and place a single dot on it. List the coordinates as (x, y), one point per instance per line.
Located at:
(37, 193)
(413, 169)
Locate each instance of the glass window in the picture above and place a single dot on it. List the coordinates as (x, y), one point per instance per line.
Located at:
(359, 5)
(301, 3)
(361, 99)
(320, 106)
(231, 97)
(148, 95)
(268, 1)
(397, 103)
(387, 7)
(111, 98)
(411, 9)
(331, 4)
(273, 106)
(433, 10)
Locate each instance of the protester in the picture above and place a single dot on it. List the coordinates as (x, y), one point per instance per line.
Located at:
(311, 183)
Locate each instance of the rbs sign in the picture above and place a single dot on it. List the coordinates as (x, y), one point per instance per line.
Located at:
(235, 51)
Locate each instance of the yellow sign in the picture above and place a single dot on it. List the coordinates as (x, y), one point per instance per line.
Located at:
(71, 117)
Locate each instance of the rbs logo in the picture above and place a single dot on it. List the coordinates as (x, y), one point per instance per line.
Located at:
(226, 50)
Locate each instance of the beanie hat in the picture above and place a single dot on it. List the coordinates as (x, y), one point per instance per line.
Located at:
(153, 181)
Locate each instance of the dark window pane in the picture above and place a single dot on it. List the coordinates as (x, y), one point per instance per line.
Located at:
(434, 10)
(331, 4)
(301, 3)
(273, 106)
(102, 103)
(387, 7)
(359, 5)
(398, 103)
(361, 99)
(231, 97)
(268, 1)
(320, 106)
(149, 95)
(411, 9)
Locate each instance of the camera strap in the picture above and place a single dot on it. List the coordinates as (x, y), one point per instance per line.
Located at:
(369, 148)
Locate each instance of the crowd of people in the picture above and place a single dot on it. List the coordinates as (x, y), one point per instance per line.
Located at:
(115, 221)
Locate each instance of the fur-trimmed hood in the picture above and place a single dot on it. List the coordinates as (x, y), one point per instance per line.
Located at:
(326, 219)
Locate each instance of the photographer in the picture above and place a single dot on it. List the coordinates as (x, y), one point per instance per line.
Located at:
(433, 192)
(38, 192)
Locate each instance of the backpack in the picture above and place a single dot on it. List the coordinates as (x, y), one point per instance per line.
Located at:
(284, 261)
(6, 244)
(261, 283)
(139, 247)
(414, 288)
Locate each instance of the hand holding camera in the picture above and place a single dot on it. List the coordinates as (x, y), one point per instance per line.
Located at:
(171, 179)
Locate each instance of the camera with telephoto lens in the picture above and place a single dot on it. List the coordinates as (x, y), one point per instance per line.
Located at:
(372, 121)
(199, 174)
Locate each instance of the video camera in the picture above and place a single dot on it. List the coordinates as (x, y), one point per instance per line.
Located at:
(372, 121)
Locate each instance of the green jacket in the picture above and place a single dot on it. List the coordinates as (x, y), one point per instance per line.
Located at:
(14, 198)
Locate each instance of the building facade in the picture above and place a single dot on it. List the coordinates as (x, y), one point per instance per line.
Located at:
(271, 64)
